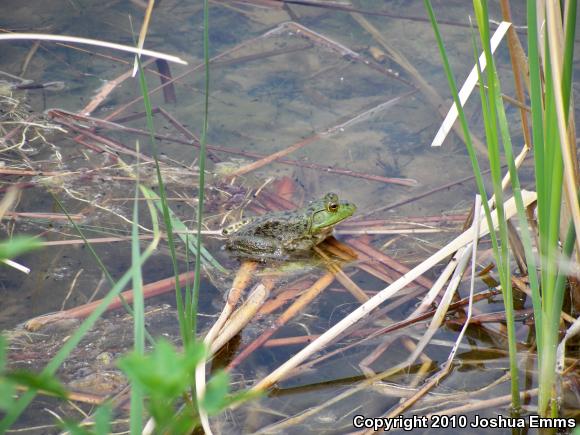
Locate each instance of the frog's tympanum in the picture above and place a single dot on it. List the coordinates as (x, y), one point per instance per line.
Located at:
(288, 234)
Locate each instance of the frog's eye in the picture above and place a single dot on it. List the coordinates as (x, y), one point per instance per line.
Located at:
(332, 207)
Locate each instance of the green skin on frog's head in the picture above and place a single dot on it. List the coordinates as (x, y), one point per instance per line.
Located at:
(328, 212)
(282, 235)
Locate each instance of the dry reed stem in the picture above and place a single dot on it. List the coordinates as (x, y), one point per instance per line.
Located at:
(438, 285)
(143, 34)
(374, 268)
(370, 335)
(244, 314)
(289, 341)
(115, 146)
(288, 292)
(240, 283)
(272, 157)
(408, 344)
(555, 42)
(520, 69)
(442, 310)
(421, 195)
(107, 88)
(388, 261)
(468, 86)
(46, 216)
(94, 42)
(406, 220)
(11, 196)
(341, 277)
(296, 308)
(430, 93)
(234, 324)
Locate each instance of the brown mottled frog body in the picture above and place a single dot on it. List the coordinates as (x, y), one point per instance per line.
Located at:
(288, 234)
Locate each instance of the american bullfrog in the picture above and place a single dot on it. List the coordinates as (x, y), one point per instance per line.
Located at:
(288, 234)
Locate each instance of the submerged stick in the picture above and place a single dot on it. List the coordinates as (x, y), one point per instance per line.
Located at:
(337, 127)
(82, 311)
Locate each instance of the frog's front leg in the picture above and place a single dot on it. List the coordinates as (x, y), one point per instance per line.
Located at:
(256, 247)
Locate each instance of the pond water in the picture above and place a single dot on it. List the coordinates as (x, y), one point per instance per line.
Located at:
(357, 94)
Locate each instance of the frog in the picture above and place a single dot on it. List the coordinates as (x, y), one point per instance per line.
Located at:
(288, 234)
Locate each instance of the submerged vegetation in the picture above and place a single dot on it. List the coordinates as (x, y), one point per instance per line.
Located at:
(145, 370)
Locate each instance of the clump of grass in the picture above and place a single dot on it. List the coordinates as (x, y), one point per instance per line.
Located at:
(554, 149)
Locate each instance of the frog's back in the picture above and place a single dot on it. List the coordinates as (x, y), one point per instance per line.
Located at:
(280, 226)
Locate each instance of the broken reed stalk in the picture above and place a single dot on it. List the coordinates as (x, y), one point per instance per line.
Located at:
(388, 261)
(244, 314)
(296, 308)
(240, 283)
(442, 309)
(228, 325)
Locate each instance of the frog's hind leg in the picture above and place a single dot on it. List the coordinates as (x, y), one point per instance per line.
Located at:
(300, 246)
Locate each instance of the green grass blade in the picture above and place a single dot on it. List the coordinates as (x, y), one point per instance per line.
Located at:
(537, 107)
(182, 312)
(182, 232)
(136, 414)
(18, 245)
(202, 154)
(494, 103)
(570, 33)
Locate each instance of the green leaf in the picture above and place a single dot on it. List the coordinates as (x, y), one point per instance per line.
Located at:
(7, 392)
(165, 372)
(17, 246)
(215, 397)
(74, 428)
(102, 419)
(3, 346)
(38, 381)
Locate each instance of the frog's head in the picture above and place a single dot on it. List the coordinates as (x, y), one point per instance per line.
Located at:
(327, 212)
